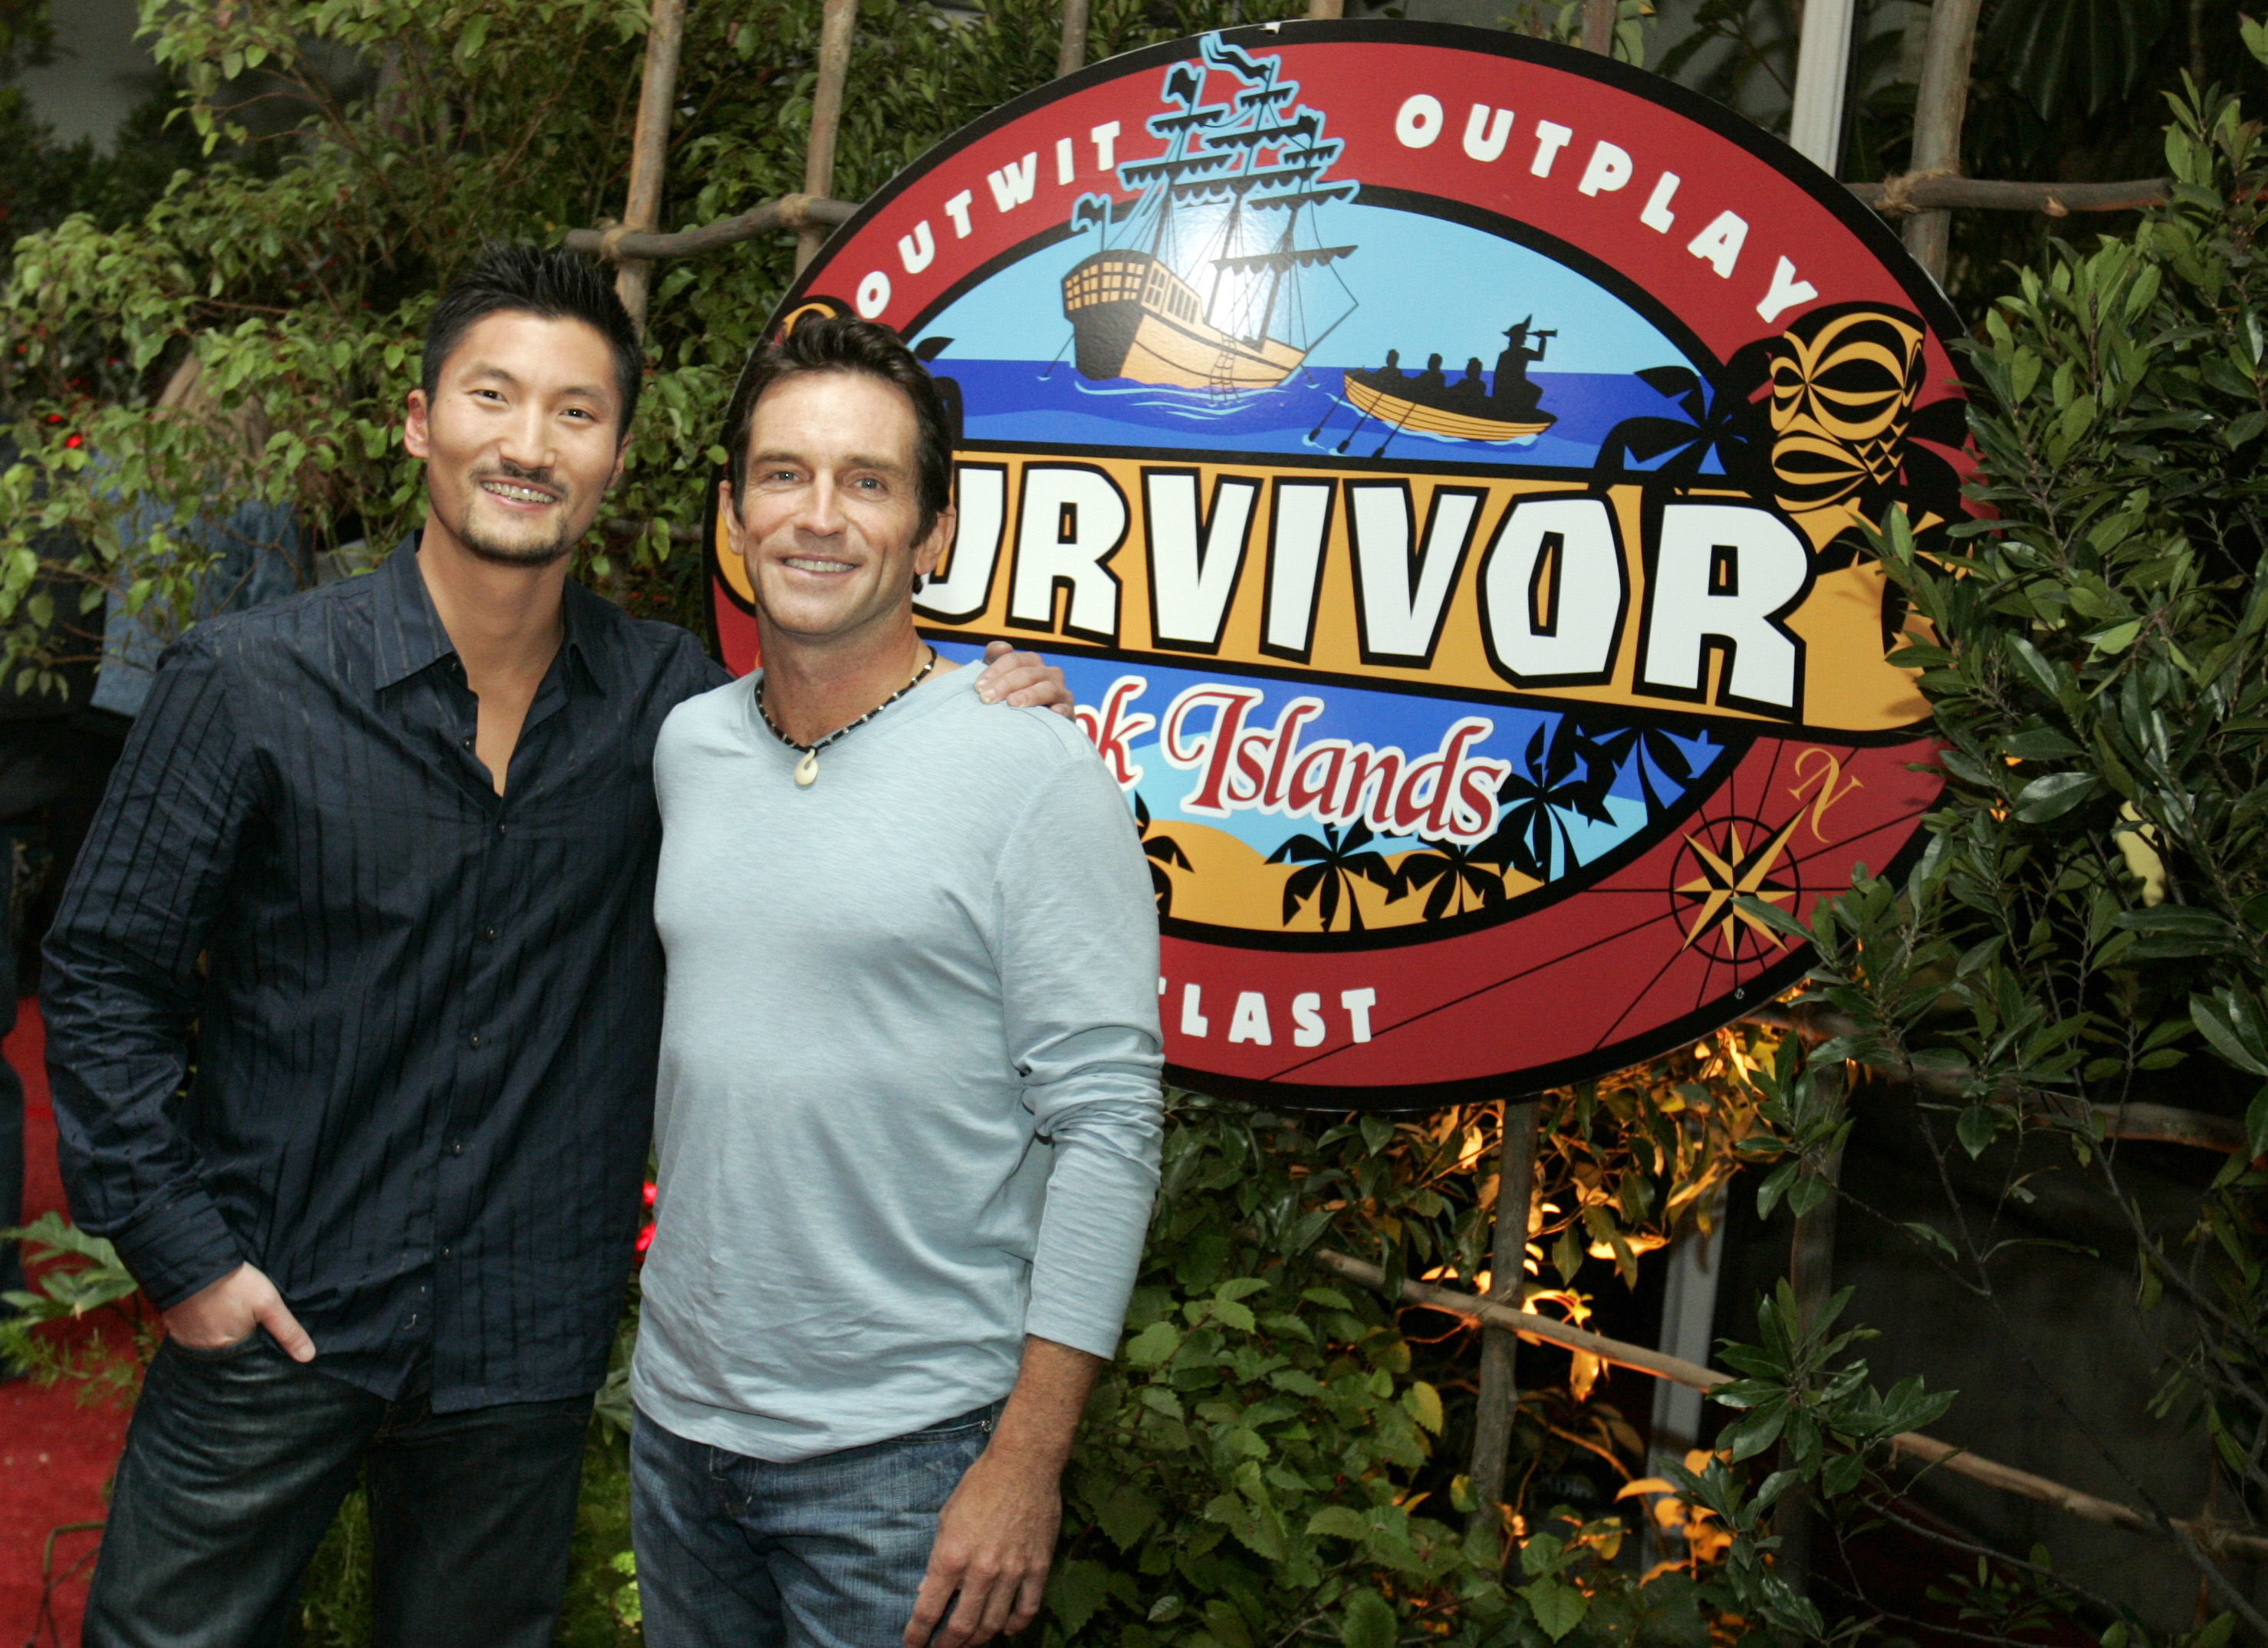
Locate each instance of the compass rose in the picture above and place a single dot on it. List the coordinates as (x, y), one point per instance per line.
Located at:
(1731, 870)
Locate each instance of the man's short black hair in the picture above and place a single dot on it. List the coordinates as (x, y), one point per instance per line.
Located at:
(842, 343)
(546, 282)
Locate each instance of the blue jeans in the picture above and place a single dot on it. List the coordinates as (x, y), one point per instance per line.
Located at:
(237, 1460)
(824, 1553)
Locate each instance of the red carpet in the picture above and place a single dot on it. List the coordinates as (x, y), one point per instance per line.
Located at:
(56, 1453)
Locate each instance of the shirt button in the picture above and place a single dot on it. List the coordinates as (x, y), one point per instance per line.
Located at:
(499, 826)
(488, 932)
(473, 1040)
(448, 1253)
(456, 1146)
(465, 742)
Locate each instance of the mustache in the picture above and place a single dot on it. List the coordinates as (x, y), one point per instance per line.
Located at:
(505, 470)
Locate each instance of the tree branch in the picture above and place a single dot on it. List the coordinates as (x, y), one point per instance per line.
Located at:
(790, 212)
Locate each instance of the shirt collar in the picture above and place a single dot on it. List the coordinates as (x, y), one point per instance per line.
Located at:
(410, 636)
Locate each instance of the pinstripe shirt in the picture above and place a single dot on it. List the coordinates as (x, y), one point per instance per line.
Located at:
(425, 1016)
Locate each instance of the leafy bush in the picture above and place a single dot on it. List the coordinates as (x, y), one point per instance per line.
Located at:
(2087, 930)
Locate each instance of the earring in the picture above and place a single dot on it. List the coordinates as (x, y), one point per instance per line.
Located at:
(917, 583)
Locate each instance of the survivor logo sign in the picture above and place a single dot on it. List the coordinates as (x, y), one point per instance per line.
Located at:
(1437, 460)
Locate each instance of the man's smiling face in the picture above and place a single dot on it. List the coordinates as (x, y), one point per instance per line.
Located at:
(832, 501)
(521, 438)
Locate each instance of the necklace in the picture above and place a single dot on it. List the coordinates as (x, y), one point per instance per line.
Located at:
(806, 771)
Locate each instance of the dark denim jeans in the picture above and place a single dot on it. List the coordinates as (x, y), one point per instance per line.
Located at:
(236, 1461)
(824, 1553)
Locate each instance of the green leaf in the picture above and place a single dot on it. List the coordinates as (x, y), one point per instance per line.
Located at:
(2175, 930)
(1340, 1522)
(1126, 1514)
(1075, 1591)
(1559, 1607)
(1424, 1404)
(1259, 1531)
(1756, 1432)
(1975, 1129)
(2054, 795)
(1153, 1345)
(1369, 1622)
(1932, 1235)
(2227, 1020)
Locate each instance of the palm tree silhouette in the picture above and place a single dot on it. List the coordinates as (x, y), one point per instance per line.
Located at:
(1565, 776)
(1656, 751)
(1453, 869)
(1160, 850)
(1331, 863)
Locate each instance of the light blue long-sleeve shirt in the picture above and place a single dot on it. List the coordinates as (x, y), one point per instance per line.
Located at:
(908, 1108)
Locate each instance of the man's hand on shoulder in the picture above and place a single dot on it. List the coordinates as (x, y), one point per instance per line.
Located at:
(995, 1536)
(235, 1308)
(1022, 679)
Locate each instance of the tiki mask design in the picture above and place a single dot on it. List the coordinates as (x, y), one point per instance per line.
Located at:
(1843, 386)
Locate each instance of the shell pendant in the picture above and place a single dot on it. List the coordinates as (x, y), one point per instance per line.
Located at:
(806, 771)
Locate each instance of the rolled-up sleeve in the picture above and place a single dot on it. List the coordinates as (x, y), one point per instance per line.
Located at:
(120, 989)
(1079, 971)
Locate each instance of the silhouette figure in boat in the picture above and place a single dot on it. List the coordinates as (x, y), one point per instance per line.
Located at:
(1471, 409)
(1514, 397)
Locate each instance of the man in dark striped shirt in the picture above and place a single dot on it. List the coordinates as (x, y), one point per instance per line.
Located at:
(387, 852)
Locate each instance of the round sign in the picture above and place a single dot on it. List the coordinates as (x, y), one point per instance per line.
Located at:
(1437, 460)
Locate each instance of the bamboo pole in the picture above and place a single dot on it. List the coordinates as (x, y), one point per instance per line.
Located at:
(1903, 195)
(1325, 10)
(1939, 105)
(835, 21)
(1599, 26)
(650, 152)
(1073, 57)
(1910, 192)
(1822, 77)
(1500, 1393)
(1945, 1456)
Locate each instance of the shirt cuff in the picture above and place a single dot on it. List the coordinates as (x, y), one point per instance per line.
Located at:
(178, 1247)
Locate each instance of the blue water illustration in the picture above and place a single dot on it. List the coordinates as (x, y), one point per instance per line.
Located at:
(1049, 404)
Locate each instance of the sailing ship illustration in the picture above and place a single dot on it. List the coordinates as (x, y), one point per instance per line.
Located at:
(1207, 291)
(1507, 409)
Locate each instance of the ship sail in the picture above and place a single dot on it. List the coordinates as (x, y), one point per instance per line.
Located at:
(1200, 292)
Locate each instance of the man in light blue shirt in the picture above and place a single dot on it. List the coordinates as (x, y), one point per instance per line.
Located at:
(908, 1107)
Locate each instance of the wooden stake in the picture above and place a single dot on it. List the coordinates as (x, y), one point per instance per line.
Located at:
(1939, 107)
(835, 21)
(1599, 26)
(1500, 1391)
(650, 149)
(1073, 57)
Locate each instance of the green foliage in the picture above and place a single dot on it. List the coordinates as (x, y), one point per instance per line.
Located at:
(298, 257)
(1259, 1464)
(79, 1274)
(2087, 928)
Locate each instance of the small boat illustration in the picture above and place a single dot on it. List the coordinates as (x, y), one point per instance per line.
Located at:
(1208, 214)
(1467, 410)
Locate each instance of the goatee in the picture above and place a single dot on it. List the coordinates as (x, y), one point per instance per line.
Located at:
(501, 554)
(497, 554)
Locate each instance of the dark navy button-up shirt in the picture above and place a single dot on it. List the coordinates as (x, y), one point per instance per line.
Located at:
(425, 1017)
